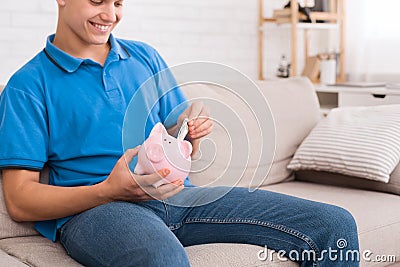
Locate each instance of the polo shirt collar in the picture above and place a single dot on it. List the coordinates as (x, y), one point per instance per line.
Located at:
(69, 63)
(118, 49)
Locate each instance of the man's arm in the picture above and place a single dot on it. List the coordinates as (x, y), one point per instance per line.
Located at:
(28, 200)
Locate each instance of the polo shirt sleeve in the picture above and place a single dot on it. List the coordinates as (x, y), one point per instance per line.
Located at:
(173, 101)
(23, 130)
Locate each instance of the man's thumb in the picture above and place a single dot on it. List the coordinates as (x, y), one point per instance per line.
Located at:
(130, 153)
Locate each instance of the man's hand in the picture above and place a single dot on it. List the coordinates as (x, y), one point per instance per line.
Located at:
(123, 185)
(199, 123)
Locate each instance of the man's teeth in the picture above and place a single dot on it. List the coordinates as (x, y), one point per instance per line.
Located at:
(101, 27)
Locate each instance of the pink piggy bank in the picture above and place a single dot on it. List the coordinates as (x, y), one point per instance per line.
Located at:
(162, 150)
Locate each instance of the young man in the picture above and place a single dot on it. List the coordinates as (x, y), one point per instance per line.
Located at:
(65, 108)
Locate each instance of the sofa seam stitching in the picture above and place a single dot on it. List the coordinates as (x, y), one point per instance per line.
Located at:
(379, 227)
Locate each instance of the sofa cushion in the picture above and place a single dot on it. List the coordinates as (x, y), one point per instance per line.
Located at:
(39, 251)
(376, 213)
(233, 255)
(356, 141)
(295, 111)
(295, 108)
(230, 155)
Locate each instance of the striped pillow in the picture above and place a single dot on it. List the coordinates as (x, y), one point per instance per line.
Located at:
(357, 141)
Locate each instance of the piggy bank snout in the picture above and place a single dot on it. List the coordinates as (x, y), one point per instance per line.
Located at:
(154, 152)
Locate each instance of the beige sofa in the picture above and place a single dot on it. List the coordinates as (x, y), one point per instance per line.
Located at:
(295, 111)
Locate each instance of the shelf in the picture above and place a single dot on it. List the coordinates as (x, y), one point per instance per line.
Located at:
(327, 107)
(324, 16)
(290, 18)
(331, 97)
(305, 26)
(372, 90)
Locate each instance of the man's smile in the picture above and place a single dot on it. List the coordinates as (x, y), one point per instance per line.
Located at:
(101, 27)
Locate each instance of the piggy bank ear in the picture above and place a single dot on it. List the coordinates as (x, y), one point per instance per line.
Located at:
(186, 148)
(158, 129)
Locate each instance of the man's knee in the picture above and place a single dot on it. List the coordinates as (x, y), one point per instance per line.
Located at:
(340, 219)
(339, 228)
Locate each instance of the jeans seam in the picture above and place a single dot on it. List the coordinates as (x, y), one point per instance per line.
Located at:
(278, 227)
(167, 213)
(64, 242)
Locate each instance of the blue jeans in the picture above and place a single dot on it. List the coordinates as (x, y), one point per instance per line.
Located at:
(154, 233)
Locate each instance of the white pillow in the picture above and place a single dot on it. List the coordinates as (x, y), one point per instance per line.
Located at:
(357, 141)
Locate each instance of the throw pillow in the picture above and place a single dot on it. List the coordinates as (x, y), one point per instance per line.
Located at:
(355, 141)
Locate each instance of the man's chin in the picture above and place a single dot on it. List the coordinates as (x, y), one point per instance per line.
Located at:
(101, 41)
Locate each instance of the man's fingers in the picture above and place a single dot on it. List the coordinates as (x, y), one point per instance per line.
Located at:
(201, 124)
(202, 130)
(177, 182)
(197, 122)
(163, 191)
(199, 115)
(175, 190)
(166, 190)
(130, 153)
(149, 179)
(201, 134)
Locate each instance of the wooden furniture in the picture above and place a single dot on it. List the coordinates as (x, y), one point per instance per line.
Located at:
(335, 19)
(344, 96)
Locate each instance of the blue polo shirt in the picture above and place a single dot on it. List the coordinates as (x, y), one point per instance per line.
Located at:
(69, 112)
